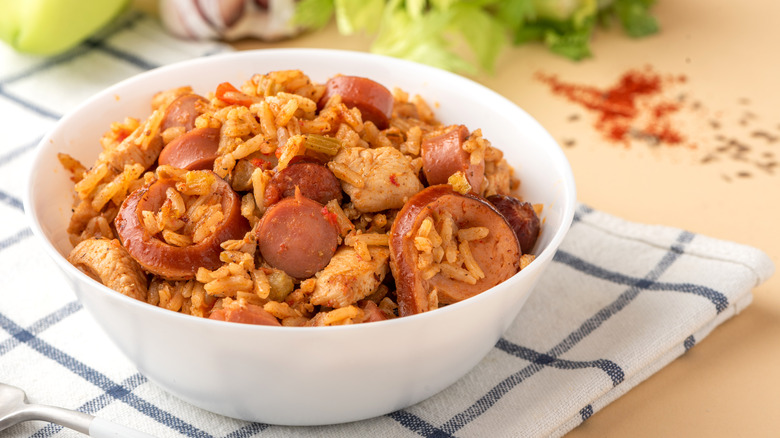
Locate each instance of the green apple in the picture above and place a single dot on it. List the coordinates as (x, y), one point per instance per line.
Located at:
(47, 27)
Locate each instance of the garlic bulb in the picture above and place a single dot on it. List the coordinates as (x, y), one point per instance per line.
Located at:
(229, 19)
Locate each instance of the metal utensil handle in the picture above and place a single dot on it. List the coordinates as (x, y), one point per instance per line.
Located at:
(100, 428)
(76, 420)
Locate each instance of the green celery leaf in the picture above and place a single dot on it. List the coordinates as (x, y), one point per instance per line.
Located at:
(353, 16)
(572, 45)
(514, 14)
(442, 5)
(557, 10)
(433, 31)
(585, 16)
(483, 33)
(313, 14)
(421, 40)
(529, 33)
(635, 17)
(437, 55)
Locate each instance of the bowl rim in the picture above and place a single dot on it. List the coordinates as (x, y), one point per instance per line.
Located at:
(556, 154)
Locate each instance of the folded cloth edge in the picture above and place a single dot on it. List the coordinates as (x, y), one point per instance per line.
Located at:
(674, 352)
(703, 246)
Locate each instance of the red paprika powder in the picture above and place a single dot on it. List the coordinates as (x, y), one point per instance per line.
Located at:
(634, 107)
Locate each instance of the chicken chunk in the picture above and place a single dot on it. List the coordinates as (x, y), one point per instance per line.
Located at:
(107, 261)
(389, 178)
(348, 278)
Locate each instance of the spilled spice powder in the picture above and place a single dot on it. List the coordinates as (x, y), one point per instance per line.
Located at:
(634, 107)
(642, 107)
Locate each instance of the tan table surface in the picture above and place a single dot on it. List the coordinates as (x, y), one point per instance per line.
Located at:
(728, 385)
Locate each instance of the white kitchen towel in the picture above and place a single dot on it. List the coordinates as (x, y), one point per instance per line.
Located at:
(620, 301)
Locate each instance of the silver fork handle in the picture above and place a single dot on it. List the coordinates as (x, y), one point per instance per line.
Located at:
(75, 420)
(79, 421)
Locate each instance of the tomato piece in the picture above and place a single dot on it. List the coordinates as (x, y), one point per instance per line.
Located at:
(227, 93)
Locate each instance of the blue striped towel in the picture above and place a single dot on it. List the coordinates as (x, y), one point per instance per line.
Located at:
(620, 301)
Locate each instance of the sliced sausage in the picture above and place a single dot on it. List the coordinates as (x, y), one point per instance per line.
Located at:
(168, 261)
(195, 150)
(443, 155)
(374, 101)
(498, 254)
(521, 216)
(314, 180)
(251, 314)
(298, 236)
(183, 111)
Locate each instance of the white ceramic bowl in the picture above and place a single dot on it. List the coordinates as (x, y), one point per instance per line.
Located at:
(306, 376)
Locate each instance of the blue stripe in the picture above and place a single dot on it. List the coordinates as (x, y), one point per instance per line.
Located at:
(100, 380)
(586, 412)
(250, 429)
(581, 212)
(18, 334)
(11, 200)
(490, 398)
(13, 153)
(120, 391)
(47, 64)
(496, 393)
(418, 425)
(636, 286)
(92, 406)
(30, 105)
(612, 369)
(720, 301)
(47, 431)
(53, 318)
(122, 55)
(689, 342)
(16, 238)
(70, 55)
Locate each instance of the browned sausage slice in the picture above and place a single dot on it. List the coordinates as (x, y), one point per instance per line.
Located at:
(251, 314)
(168, 261)
(183, 111)
(521, 217)
(374, 101)
(297, 236)
(497, 254)
(443, 155)
(195, 150)
(314, 180)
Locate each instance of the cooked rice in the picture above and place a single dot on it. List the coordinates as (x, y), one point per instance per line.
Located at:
(340, 316)
(342, 221)
(279, 122)
(295, 145)
(475, 145)
(526, 260)
(375, 239)
(72, 165)
(447, 251)
(433, 299)
(459, 182)
(281, 310)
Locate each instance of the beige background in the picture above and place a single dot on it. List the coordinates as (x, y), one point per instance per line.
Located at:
(729, 384)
